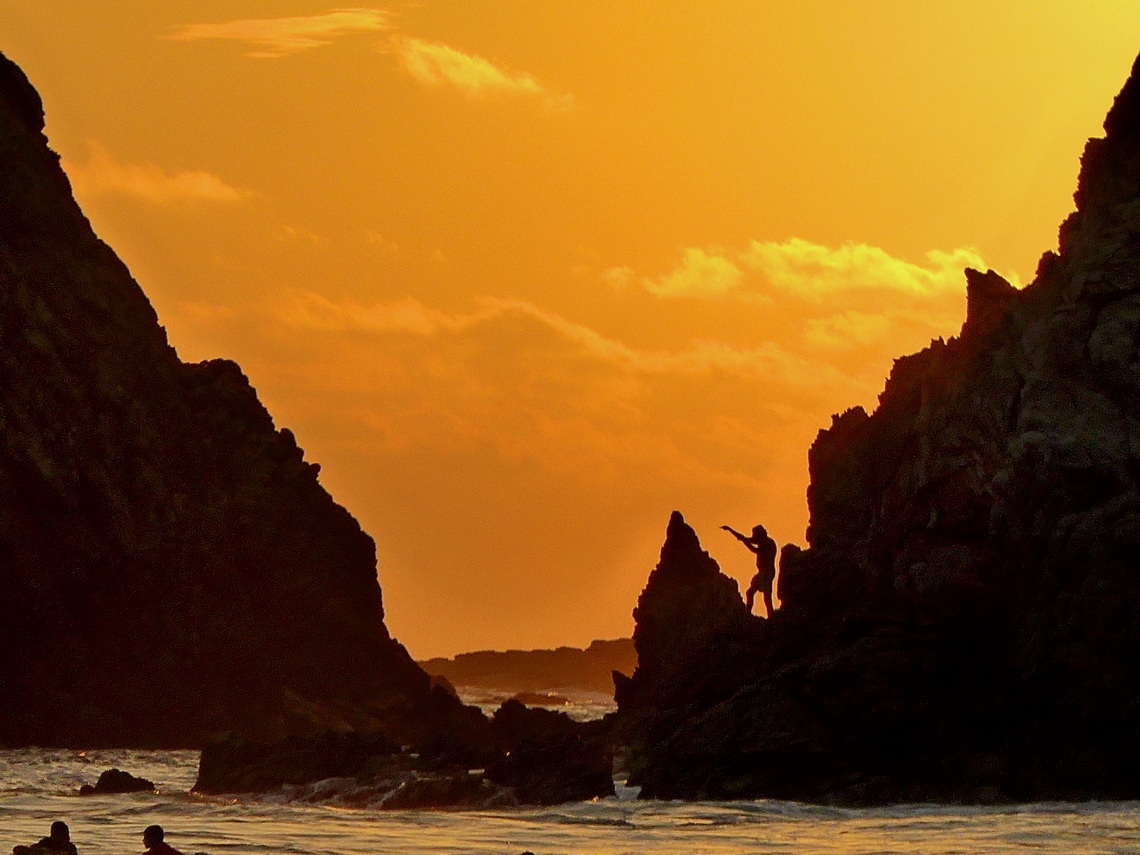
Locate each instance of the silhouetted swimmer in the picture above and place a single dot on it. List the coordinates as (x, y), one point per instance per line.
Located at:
(155, 845)
(765, 549)
(59, 840)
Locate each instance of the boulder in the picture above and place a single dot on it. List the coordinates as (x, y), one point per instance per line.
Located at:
(115, 781)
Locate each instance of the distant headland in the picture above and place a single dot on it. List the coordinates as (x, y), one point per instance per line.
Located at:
(590, 669)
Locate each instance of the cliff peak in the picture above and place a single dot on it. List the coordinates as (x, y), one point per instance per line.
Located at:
(681, 554)
(19, 97)
(687, 605)
(1123, 119)
(987, 296)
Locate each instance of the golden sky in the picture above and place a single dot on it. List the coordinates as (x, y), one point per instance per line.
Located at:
(525, 276)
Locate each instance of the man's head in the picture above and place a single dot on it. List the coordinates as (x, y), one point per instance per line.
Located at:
(60, 831)
(759, 532)
(152, 836)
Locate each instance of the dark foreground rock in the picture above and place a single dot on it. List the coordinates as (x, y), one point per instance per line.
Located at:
(548, 758)
(536, 757)
(115, 781)
(171, 565)
(964, 624)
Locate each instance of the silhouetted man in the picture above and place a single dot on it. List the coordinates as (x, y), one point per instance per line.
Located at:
(765, 549)
(152, 840)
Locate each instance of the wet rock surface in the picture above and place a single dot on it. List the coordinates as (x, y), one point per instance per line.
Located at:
(963, 624)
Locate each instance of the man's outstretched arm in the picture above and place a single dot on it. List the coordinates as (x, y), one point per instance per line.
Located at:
(742, 538)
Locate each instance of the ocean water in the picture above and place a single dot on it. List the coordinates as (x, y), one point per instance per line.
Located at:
(579, 704)
(38, 786)
(335, 817)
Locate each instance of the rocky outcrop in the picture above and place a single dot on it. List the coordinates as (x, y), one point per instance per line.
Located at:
(536, 757)
(116, 782)
(171, 565)
(547, 758)
(688, 611)
(962, 626)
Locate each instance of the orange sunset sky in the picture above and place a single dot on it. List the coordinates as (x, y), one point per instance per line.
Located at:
(523, 277)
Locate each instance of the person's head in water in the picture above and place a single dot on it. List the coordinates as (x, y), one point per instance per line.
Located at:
(152, 836)
(759, 532)
(60, 831)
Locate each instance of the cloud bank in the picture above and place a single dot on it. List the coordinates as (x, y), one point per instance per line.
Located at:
(850, 297)
(803, 269)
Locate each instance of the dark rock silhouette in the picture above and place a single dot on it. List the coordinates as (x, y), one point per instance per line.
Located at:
(535, 757)
(548, 758)
(688, 608)
(538, 670)
(235, 765)
(171, 565)
(115, 781)
(963, 625)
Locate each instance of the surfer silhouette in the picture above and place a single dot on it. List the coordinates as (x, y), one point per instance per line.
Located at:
(58, 841)
(154, 843)
(765, 549)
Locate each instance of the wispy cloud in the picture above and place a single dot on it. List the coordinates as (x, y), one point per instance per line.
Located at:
(313, 311)
(408, 315)
(431, 63)
(276, 37)
(437, 64)
(103, 174)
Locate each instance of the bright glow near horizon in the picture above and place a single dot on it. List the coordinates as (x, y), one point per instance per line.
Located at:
(525, 277)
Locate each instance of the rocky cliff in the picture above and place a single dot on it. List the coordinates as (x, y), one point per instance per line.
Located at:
(963, 625)
(170, 564)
